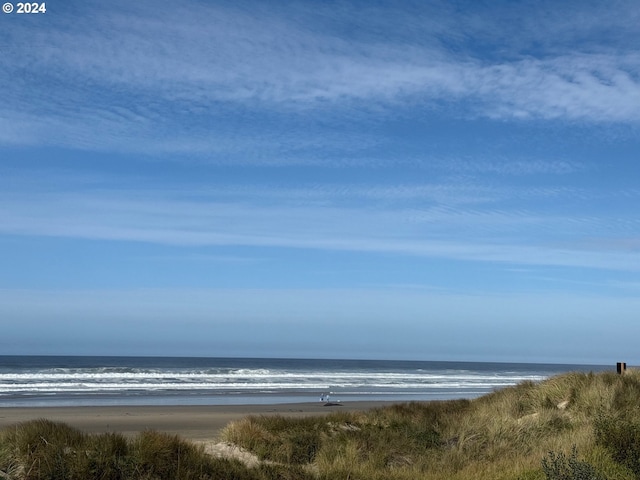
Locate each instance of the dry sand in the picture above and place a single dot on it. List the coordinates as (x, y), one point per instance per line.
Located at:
(199, 423)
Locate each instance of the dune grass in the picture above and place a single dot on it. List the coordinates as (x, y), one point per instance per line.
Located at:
(591, 422)
(45, 450)
(570, 427)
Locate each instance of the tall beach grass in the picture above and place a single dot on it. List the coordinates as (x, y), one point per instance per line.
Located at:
(577, 426)
(504, 435)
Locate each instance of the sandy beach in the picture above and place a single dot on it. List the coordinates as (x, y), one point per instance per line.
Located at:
(200, 423)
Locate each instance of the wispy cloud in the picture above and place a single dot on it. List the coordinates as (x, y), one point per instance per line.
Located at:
(136, 83)
(513, 166)
(590, 87)
(430, 221)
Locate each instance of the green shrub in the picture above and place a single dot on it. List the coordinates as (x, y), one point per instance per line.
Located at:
(557, 466)
(620, 435)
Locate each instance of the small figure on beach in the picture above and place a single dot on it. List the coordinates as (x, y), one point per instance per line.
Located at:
(326, 398)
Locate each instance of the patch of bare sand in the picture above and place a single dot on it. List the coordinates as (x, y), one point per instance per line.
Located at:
(228, 450)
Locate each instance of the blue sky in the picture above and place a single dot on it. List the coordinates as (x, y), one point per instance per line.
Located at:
(411, 180)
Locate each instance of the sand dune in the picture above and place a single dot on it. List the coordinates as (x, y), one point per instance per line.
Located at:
(198, 422)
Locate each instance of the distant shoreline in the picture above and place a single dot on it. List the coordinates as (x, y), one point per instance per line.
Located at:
(193, 422)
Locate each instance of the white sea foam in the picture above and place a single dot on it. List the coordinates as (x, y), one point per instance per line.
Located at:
(254, 380)
(245, 379)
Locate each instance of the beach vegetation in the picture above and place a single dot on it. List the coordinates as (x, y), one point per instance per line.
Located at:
(46, 450)
(576, 426)
(558, 466)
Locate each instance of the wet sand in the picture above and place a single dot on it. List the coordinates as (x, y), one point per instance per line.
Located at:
(196, 422)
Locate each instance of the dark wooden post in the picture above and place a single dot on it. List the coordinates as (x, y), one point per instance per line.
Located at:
(621, 367)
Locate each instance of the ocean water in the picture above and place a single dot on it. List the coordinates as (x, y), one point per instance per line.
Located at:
(71, 381)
